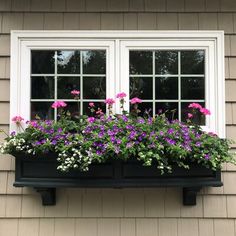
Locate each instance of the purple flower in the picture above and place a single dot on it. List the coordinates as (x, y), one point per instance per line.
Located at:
(54, 142)
(207, 156)
(198, 144)
(13, 133)
(170, 131)
(124, 118)
(141, 121)
(91, 119)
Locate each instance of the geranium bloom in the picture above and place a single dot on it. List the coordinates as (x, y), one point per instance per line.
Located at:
(109, 101)
(75, 92)
(91, 104)
(17, 119)
(195, 105)
(190, 115)
(135, 100)
(58, 104)
(121, 95)
(205, 111)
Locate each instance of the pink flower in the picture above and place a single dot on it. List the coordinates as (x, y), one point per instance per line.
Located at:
(121, 95)
(135, 100)
(205, 111)
(91, 119)
(109, 101)
(75, 92)
(91, 104)
(190, 115)
(17, 119)
(195, 105)
(58, 104)
(99, 112)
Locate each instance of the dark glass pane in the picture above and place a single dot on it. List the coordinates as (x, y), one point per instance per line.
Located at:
(141, 88)
(42, 110)
(166, 88)
(73, 108)
(198, 118)
(192, 88)
(42, 87)
(169, 108)
(192, 62)
(144, 107)
(97, 105)
(68, 62)
(42, 62)
(94, 88)
(65, 85)
(94, 62)
(166, 62)
(140, 62)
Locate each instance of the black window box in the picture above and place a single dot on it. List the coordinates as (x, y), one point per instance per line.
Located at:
(41, 173)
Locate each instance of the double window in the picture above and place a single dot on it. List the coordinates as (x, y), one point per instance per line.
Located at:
(167, 70)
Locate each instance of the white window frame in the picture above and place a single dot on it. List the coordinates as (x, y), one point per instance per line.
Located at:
(118, 44)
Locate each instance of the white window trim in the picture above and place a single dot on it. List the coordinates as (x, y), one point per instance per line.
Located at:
(118, 44)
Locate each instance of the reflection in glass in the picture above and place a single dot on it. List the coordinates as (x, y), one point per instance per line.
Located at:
(42, 62)
(192, 88)
(94, 62)
(144, 107)
(198, 118)
(68, 62)
(87, 111)
(94, 87)
(42, 87)
(192, 62)
(169, 108)
(166, 62)
(65, 85)
(42, 110)
(140, 62)
(166, 88)
(141, 87)
(73, 108)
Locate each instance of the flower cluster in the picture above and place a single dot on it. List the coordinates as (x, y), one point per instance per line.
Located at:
(157, 141)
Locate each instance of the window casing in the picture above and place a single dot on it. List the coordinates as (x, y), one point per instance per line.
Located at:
(119, 46)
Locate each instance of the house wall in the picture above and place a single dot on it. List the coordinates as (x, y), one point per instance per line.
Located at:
(118, 212)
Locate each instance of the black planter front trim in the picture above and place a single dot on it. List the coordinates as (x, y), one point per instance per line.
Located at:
(41, 173)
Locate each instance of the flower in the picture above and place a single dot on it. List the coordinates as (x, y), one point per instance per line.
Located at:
(91, 119)
(75, 92)
(205, 111)
(121, 95)
(109, 101)
(91, 104)
(190, 115)
(195, 105)
(58, 104)
(135, 100)
(17, 119)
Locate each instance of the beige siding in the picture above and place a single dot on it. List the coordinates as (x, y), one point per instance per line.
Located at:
(123, 212)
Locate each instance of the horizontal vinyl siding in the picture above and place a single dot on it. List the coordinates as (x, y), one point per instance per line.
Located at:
(118, 212)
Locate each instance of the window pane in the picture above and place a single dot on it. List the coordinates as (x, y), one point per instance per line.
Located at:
(94, 87)
(140, 62)
(166, 88)
(169, 108)
(144, 107)
(73, 108)
(166, 62)
(198, 118)
(42, 62)
(141, 87)
(65, 85)
(42, 110)
(192, 88)
(87, 111)
(42, 87)
(94, 62)
(192, 62)
(68, 62)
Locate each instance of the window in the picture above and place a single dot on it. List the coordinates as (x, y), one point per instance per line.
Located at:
(167, 70)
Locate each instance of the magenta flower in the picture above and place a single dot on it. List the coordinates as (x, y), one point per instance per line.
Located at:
(205, 111)
(91, 104)
(75, 92)
(58, 104)
(195, 105)
(135, 100)
(17, 119)
(121, 95)
(190, 115)
(91, 119)
(109, 101)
